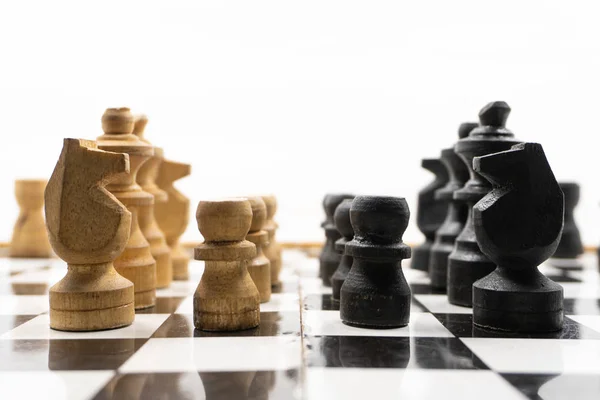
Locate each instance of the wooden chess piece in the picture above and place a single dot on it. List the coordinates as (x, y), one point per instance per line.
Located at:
(172, 216)
(341, 218)
(330, 258)
(455, 218)
(29, 238)
(375, 294)
(135, 262)
(226, 298)
(88, 228)
(146, 178)
(273, 249)
(259, 267)
(431, 213)
(28, 288)
(467, 263)
(570, 247)
(518, 226)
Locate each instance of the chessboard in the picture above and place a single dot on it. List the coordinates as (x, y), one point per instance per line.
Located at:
(301, 350)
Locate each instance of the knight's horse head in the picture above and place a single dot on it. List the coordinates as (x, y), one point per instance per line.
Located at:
(85, 222)
(521, 219)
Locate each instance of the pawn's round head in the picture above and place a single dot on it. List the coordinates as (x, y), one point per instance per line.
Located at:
(226, 220)
(259, 213)
(30, 192)
(341, 217)
(379, 219)
(271, 204)
(332, 200)
(117, 121)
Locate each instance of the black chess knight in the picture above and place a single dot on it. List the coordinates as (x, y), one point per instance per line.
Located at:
(518, 226)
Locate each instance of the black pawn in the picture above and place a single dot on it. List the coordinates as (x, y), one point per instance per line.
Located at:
(430, 212)
(375, 294)
(455, 218)
(518, 226)
(467, 263)
(570, 246)
(341, 217)
(330, 258)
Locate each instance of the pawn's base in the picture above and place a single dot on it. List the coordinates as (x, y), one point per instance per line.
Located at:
(378, 311)
(92, 320)
(164, 266)
(145, 299)
(260, 272)
(336, 286)
(339, 276)
(217, 322)
(438, 265)
(275, 269)
(180, 267)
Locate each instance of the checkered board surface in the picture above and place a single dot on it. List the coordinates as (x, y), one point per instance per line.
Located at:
(300, 351)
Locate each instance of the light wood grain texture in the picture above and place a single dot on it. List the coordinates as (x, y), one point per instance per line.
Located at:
(135, 262)
(226, 298)
(88, 228)
(173, 215)
(260, 266)
(30, 238)
(146, 177)
(272, 249)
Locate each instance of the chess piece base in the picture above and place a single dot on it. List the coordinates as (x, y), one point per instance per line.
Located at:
(420, 257)
(438, 265)
(275, 269)
(466, 265)
(260, 272)
(94, 320)
(375, 295)
(142, 276)
(500, 303)
(164, 267)
(216, 322)
(143, 300)
(180, 267)
(78, 303)
(329, 261)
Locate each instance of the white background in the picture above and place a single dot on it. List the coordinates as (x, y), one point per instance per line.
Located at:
(300, 98)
